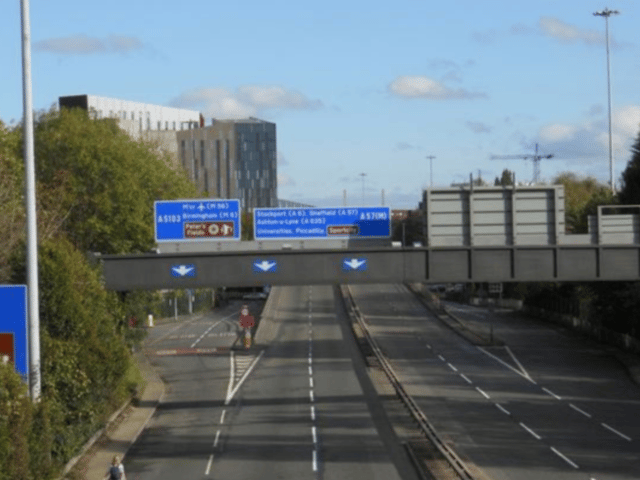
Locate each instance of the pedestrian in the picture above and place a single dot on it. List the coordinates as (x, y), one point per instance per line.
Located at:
(116, 471)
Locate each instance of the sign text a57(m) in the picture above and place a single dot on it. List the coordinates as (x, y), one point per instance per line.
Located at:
(310, 223)
(197, 220)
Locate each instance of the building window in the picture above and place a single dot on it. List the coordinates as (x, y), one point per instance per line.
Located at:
(174, 125)
(202, 154)
(183, 153)
(227, 154)
(133, 116)
(218, 168)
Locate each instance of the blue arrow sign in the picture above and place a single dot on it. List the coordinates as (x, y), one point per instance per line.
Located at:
(183, 270)
(354, 264)
(342, 222)
(196, 220)
(264, 266)
(13, 327)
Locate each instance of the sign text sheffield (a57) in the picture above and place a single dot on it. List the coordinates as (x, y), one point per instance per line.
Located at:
(309, 223)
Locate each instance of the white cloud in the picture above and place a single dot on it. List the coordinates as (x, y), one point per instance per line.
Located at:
(478, 127)
(559, 30)
(589, 142)
(415, 86)
(246, 101)
(84, 45)
(285, 180)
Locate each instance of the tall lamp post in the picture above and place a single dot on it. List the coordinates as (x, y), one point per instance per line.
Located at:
(363, 175)
(431, 157)
(606, 13)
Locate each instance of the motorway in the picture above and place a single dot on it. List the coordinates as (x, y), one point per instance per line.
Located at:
(548, 404)
(297, 405)
(300, 404)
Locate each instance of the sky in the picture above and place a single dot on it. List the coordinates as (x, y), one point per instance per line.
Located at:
(361, 92)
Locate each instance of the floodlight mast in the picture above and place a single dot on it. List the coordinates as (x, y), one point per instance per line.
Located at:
(535, 158)
(606, 13)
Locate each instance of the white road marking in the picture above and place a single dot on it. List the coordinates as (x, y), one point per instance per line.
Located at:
(552, 394)
(314, 461)
(522, 369)
(504, 410)
(428, 346)
(465, 377)
(483, 393)
(564, 458)
(310, 370)
(628, 439)
(215, 442)
(232, 374)
(311, 396)
(244, 377)
(205, 333)
(506, 365)
(580, 410)
(313, 413)
(311, 382)
(452, 367)
(222, 416)
(441, 358)
(206, 472)
(314, 435)
(537, 437)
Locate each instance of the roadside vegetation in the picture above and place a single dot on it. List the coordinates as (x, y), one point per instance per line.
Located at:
(95, 193)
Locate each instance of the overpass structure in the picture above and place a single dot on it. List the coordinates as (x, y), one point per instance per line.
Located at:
(472, 234)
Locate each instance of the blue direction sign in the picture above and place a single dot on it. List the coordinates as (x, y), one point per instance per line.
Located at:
(341, 222)
(196, 220)
(354, 264)
(265, 265)
(181, 271)
(13, 327)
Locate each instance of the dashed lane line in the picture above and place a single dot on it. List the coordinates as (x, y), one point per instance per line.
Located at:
(564, 458)
(611, 429)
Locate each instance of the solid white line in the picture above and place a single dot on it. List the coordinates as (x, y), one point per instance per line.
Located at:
(465, 377)
(441, 358)
(537, 437)
(564, 458)
(243, 378)
(314, 462)
(452, 367)
(506, 364)
(551, 393)
(616, 432)
(311, 396)
(222, 416)
(311, 382)
(526, 374)
(313, 413)
(314, 435)
(504, 410)
(203, 335)
(206, 472)
(215, 442)
(483, 393)
(580, 410)
(232, 373)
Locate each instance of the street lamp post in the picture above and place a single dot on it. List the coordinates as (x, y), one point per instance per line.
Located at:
(431, 157)
(363, 175)
(606, 13)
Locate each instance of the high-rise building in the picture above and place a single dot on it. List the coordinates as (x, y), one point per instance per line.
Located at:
(233, 159)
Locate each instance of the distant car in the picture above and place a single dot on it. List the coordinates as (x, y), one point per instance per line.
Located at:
(254, 296)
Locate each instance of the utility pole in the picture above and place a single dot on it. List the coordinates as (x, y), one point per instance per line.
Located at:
(535, 157)
(606, 13)
(363, 175)
(33, 309)
(430, 157)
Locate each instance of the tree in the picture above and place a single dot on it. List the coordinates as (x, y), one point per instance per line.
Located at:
(507, 178)
(630, 192)
(582, 198)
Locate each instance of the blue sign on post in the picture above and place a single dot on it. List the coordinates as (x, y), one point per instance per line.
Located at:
(13, 327)
(341, 222)
(196, 220)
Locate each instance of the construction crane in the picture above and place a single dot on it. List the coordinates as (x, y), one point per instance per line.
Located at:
(535, 157)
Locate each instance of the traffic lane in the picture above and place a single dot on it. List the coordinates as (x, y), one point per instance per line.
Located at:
(571, 368)
(177, 441)
(434, 374)
(302, 413)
